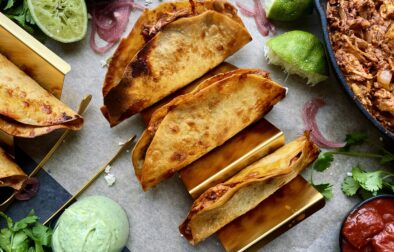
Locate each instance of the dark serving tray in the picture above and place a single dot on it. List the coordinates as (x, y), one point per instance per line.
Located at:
(321, 6)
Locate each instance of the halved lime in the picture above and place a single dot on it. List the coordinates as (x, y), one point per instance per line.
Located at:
(300, 53)
(62, 20)
(287, 10)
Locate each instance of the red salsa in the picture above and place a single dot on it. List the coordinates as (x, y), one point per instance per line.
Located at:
(370, 228)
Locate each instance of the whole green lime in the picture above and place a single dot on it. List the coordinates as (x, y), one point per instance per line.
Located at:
(287, 10)
(299, 52)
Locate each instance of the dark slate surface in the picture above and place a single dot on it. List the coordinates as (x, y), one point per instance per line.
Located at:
(49, 198)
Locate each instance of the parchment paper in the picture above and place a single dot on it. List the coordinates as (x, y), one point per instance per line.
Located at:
(155, 215)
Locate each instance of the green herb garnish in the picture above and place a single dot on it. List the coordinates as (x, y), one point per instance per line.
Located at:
(26, 234)
(18, 11)
(363, 183)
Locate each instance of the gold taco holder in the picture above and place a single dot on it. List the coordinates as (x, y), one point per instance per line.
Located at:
(36, 60)
(292, 203)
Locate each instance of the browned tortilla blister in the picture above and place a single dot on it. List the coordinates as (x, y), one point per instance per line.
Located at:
(169, 47)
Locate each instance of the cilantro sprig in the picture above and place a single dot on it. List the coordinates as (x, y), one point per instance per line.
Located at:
(26, 234)
(18, 11)
(372, 183)
(364, 183)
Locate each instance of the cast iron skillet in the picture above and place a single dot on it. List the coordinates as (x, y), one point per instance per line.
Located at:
(321, 10)
(359, 205)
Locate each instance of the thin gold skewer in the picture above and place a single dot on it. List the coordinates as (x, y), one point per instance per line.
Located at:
(68, 202)
(82, 107)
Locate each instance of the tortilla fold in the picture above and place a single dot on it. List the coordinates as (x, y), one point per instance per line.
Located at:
(180, 53)
(28, 110)
(227, 201)
(151, 21)
(11, 175)
(193, 124)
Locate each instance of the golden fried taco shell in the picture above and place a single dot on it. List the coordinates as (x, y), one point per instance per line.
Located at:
(11, 175)
(227, 201)
(222, 68)
(150, 22)
(25, 105)
(191, 125)
(180, 53)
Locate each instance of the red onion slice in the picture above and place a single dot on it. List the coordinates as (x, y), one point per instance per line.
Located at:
(263, 25)
(259, 15)
(95, 47)
(109, 21)
(309, 117)
(245, 10)
(29, 189)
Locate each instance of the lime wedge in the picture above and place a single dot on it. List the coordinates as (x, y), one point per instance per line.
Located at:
(300, 53)
(287, 10)
(62, 20)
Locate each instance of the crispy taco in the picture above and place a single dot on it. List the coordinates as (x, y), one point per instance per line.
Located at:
(149, 23)
(28, 110)
(191, 125)
(180, 47)
(11, 175)
(222, 68)
(225, 202)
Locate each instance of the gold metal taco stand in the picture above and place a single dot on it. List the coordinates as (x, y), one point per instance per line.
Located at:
(36, 60)
(292, 203)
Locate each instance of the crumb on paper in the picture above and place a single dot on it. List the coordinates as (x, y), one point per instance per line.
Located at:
(107, 169)
(121, 143)
(110, 179)
(349, 174)
(103, 63)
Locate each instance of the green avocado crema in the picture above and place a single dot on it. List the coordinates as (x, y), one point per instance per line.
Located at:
(300, 53)
(92, 224)
(288, 10)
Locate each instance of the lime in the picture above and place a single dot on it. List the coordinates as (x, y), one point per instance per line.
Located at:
(287, 10)
(62, 20)
(300, 53)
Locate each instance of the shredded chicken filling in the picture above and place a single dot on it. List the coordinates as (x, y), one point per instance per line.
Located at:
(362, 36)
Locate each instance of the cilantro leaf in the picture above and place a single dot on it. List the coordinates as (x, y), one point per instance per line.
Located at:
(25, 222)
(42, 234)
(370, 181)
(323, 161)
(350, 186)
(354, 139)
(5, 239)
(9, 4)
(20, 242)
(25, 235)
(324, 189)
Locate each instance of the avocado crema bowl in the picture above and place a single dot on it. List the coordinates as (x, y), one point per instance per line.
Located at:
(92, 224)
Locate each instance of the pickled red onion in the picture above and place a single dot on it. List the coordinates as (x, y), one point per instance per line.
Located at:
(109, 21)
(259, 15)
(309, 117)
(245, 10)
